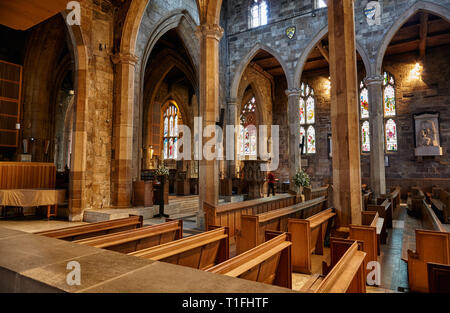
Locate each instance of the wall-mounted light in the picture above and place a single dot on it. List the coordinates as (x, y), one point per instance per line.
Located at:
(71, 92)
(416, 71)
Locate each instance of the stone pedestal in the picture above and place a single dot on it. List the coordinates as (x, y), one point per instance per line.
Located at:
(254, 178)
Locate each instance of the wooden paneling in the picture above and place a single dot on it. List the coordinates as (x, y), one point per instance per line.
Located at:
(10, 98)
(27, 175)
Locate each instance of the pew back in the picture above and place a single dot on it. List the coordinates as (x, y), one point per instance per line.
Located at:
(94, 229)
(367, 233)
(431, 246)
(268, 263)
(200, 251)
(308, 237)
(253, 227)
(229, 215)
(137, 239)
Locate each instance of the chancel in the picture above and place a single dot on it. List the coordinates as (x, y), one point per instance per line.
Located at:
(225, 146)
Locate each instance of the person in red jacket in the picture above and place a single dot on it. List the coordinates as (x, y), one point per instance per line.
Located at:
(271, 179)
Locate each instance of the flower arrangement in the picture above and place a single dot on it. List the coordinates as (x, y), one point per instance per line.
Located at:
(162, 171)
(301, 179)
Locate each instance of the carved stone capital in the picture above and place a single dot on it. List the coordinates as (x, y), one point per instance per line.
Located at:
(213, 31)
(295, 92)
(232, 101)
(374, 80)
(124, 58)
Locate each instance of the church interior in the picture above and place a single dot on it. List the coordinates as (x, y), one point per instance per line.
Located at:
(225, 146)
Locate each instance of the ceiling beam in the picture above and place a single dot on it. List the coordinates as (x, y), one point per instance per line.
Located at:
(323, 51)
(423, 34)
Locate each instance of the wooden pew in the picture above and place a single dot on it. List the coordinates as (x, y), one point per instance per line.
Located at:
(441, 201)
(137, 239)
(338, 247)
(253, 227)
(366, 199)
(431, 247)
(369, 233)
(347, 276)
(384, 209)
(324, 191)
(268, 263)
(438, 278)
(308, 237)
(201, 251)
(229, 214)
(94, 229)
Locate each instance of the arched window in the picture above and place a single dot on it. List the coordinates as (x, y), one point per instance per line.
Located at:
(170, 146)
(248, 135)
(321, 4)
(258, 13)
(390, 112)
(307, 117)
(364, 117)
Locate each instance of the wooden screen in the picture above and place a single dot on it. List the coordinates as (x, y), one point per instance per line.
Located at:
(10, 94)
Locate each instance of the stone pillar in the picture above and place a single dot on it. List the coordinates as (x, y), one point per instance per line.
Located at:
(344, 112)
(232, 119)
(377, 174)
(294, 136)
(123, 129)
(209, 36)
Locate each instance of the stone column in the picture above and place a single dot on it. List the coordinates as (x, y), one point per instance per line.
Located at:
(344, 112)
(294, 136)
(123, 129)
(209, 36)
(232, 120)
(377, 174)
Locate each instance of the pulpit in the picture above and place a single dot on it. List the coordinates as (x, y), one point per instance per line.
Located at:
(182, 185)
(143, 193)
(157, 192)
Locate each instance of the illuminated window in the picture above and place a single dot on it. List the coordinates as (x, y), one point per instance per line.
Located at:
(170, 140)
(364, 117)
(307, 118)
(390, 112)
(321, 4)
(248, 135)
(259, 12)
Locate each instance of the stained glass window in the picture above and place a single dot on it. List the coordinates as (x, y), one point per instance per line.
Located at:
(390, 112)
(302, 135)
(259, 13)
(311, 142)
(391, 135)
(171, 120)
(364, 117)
(307, 117)
(365, 136)
(248, 135)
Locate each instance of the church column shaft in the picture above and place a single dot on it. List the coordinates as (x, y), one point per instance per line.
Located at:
(294, 136)
(209, 35)
(377, 170)
(344, 112)
(123, 130)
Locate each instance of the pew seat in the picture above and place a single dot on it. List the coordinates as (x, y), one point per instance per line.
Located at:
(268, 263)
(137, 239)
(200, 251)
(347, 276)
(94, 229)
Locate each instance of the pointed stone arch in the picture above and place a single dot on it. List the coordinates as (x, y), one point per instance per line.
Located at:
(246, 61)
(312, 44)
(432, 8)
